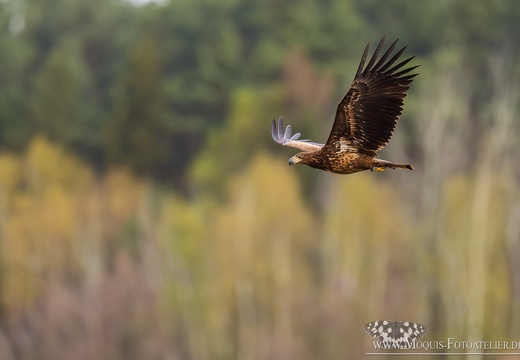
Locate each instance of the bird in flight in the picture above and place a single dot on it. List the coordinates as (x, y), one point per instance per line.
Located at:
(365, 118)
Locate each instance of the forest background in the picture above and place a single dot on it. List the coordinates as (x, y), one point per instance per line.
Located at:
(146, 213)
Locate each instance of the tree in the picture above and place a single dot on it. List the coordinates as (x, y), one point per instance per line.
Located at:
(137, 134)
(62, 107)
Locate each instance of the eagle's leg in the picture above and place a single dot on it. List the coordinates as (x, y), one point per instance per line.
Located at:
(379, 168)
(382, 165)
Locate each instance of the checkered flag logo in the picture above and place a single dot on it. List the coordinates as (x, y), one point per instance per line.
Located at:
(395, 334)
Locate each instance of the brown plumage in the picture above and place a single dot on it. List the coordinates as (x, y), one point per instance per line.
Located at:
(365, 119)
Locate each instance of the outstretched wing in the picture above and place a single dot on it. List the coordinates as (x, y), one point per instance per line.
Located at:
(368, 114)
(284, 138)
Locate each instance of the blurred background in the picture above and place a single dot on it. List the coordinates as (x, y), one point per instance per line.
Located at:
(146, 213)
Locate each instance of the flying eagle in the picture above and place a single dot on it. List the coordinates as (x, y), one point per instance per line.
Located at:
(364, 122)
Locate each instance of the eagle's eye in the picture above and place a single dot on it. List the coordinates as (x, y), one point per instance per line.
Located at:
(299, 156)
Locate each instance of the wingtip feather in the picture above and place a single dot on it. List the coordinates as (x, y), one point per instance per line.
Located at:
(280, 126)
(296, 136)
(363, 59)
(375, 54)
(288, 131)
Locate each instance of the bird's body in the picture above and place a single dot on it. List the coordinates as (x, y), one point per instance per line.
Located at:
(364, 122)
(345, 162)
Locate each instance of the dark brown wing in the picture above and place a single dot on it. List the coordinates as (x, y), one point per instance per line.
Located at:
(368, 114)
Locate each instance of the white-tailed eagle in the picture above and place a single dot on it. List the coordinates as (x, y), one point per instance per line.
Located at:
(365, 119)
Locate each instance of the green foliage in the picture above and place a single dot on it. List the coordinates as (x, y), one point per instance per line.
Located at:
(190, 57)
(63, 108)
(247, 120)
(140, 108)
(13, 85)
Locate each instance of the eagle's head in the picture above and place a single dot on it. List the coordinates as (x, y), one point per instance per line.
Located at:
(306, 158)
(296, 159)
